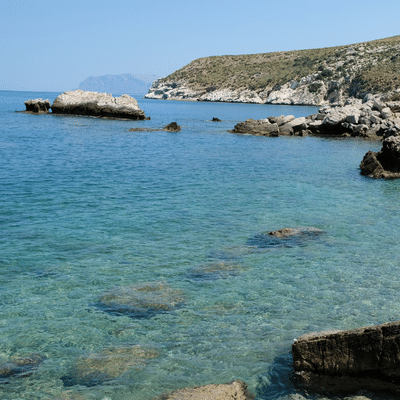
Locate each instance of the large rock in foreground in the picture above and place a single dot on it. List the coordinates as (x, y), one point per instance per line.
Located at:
(79, 102)
(367, 356)
(385, 163)
(236, 390)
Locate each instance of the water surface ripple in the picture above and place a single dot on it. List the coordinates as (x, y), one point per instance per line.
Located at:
(87, 206)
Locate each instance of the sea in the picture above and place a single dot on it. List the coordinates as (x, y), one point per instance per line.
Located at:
(133, 264)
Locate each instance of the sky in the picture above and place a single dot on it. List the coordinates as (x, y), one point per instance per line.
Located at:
(55, 45)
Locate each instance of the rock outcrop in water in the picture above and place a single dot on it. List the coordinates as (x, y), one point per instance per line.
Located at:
(141, 300)
(385, 163)
(98, 368)
(370, 119)
(367, 358)
(171, 127)
(37, 106)
(236, 390)
(286, 237)
(79, 102)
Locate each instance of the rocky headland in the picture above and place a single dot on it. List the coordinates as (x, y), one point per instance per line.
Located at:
(319, 77)
(79, 102)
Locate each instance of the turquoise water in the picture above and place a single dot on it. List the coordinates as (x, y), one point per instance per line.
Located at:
(87, 206)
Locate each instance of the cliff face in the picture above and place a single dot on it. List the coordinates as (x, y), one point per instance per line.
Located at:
(305, 77)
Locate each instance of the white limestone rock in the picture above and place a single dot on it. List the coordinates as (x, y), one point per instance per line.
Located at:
(79, 102)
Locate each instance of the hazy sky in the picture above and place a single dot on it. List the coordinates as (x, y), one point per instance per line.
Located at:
(55, 45)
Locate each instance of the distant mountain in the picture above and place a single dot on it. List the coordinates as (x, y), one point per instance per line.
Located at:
(119, 84)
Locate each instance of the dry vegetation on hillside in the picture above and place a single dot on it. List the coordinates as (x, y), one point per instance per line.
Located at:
(368, 67)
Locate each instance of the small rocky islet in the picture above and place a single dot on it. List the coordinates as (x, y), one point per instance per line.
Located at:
(79, 102)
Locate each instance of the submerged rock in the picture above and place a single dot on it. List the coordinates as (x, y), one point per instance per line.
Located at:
(99, 368)
(37, 106)
(141, 300)
(214, 270)
(367, 358)
(286, 237)
(79, 102)
(172, 127)
(236, 390)
(21, 366)
(385, 163)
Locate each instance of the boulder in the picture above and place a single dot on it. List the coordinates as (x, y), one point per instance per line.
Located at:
(262, 127)
(142, 300)
(385, 163)
(79, 102)
(236, 390)
(215, 119)
(386, 113)
(370, 352)
(37, 106)
(172, 127)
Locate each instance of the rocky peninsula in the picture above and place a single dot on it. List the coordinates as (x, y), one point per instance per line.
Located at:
(79, 102)
(318, 77)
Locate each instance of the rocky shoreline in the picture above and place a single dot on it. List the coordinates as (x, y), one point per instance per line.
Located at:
(369, 119)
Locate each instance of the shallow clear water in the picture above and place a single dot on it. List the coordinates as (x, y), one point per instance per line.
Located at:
(87, 206)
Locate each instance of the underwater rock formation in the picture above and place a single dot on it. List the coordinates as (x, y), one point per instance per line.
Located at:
(98, 368)
(213, 270)
(286, 237)
(21, 366)
(236, 390)
(141, 300)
